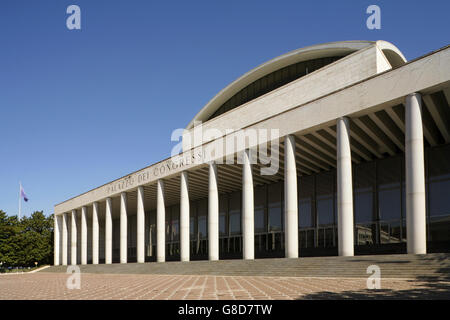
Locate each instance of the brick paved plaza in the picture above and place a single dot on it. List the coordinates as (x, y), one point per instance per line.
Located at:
(132, 286)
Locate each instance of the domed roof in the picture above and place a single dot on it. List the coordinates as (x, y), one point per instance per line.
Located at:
(331, 49)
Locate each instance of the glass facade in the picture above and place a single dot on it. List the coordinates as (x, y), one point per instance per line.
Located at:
(438, 189)
(364, 185)
(389, 178)
(260, 197)
(275, 196)
(173, 232)
(150, 237)
(272, 81)
(199, 229)
(223, 219)
(379, 214)
(306, 210)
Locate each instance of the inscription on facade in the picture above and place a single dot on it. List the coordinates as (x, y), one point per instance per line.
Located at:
(155, 172)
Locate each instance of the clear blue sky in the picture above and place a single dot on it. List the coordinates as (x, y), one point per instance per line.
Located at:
(81, 108)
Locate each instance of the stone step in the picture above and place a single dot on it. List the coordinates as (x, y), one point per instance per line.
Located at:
(391, 266)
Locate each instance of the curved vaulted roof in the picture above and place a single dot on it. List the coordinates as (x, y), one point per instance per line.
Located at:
(332, 49)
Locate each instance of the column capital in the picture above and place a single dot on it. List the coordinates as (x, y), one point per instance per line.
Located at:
(414, 94)
(346, 119)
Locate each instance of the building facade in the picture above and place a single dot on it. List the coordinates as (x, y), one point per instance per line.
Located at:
(334, 149)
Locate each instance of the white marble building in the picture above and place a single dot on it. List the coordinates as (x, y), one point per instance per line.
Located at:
(362, 167)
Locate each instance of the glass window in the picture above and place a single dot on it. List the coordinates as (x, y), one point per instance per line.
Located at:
(202, 216)
(132, 230)
(152, 228)
(305, 201)
(325, 198)
(389, 175)
(389, 191)
(364, 186)
(260, 208)
(439, 181)
(192, 220)
(235, 213)
(275, 207)
(168, 223)
(175, 227)
(223, 211)
(439, 191)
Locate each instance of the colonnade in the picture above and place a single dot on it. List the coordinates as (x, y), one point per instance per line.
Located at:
(415, 204)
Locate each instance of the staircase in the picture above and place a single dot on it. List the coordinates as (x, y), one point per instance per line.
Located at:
(435, 266)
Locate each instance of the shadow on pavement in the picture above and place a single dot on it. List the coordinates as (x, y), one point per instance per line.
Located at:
(426, 287)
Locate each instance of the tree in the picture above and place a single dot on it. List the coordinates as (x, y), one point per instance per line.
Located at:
(22, 243)
(9, 228)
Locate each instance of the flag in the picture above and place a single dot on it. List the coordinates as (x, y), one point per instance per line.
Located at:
(22, 194)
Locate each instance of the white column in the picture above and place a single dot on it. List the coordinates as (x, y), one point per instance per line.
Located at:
(160, 223)
(108, 232)
(290, 199)
(248, 220)
(344, 189)
(213, 214)
(415, 176)
(95, 233)
(56, 240)
(73, 238)
(123, 227)
(184, 217)
(65, 235)
(140, 245)
(83, 235)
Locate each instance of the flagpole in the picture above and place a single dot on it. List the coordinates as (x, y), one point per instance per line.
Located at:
(20, 202)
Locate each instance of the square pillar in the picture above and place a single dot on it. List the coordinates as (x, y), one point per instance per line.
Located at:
(290, 198)
(95, 233)
(248, 212)
(56, 240)
(160, 223)
(83, 235)
(184, 217)
(415, 176)
(73, 238)
(213, 214)
(108, 232)
(65, 235)
(123, 228)
(344, 189)
(140, 245)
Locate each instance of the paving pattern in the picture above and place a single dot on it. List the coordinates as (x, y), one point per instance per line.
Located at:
(49, 286)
